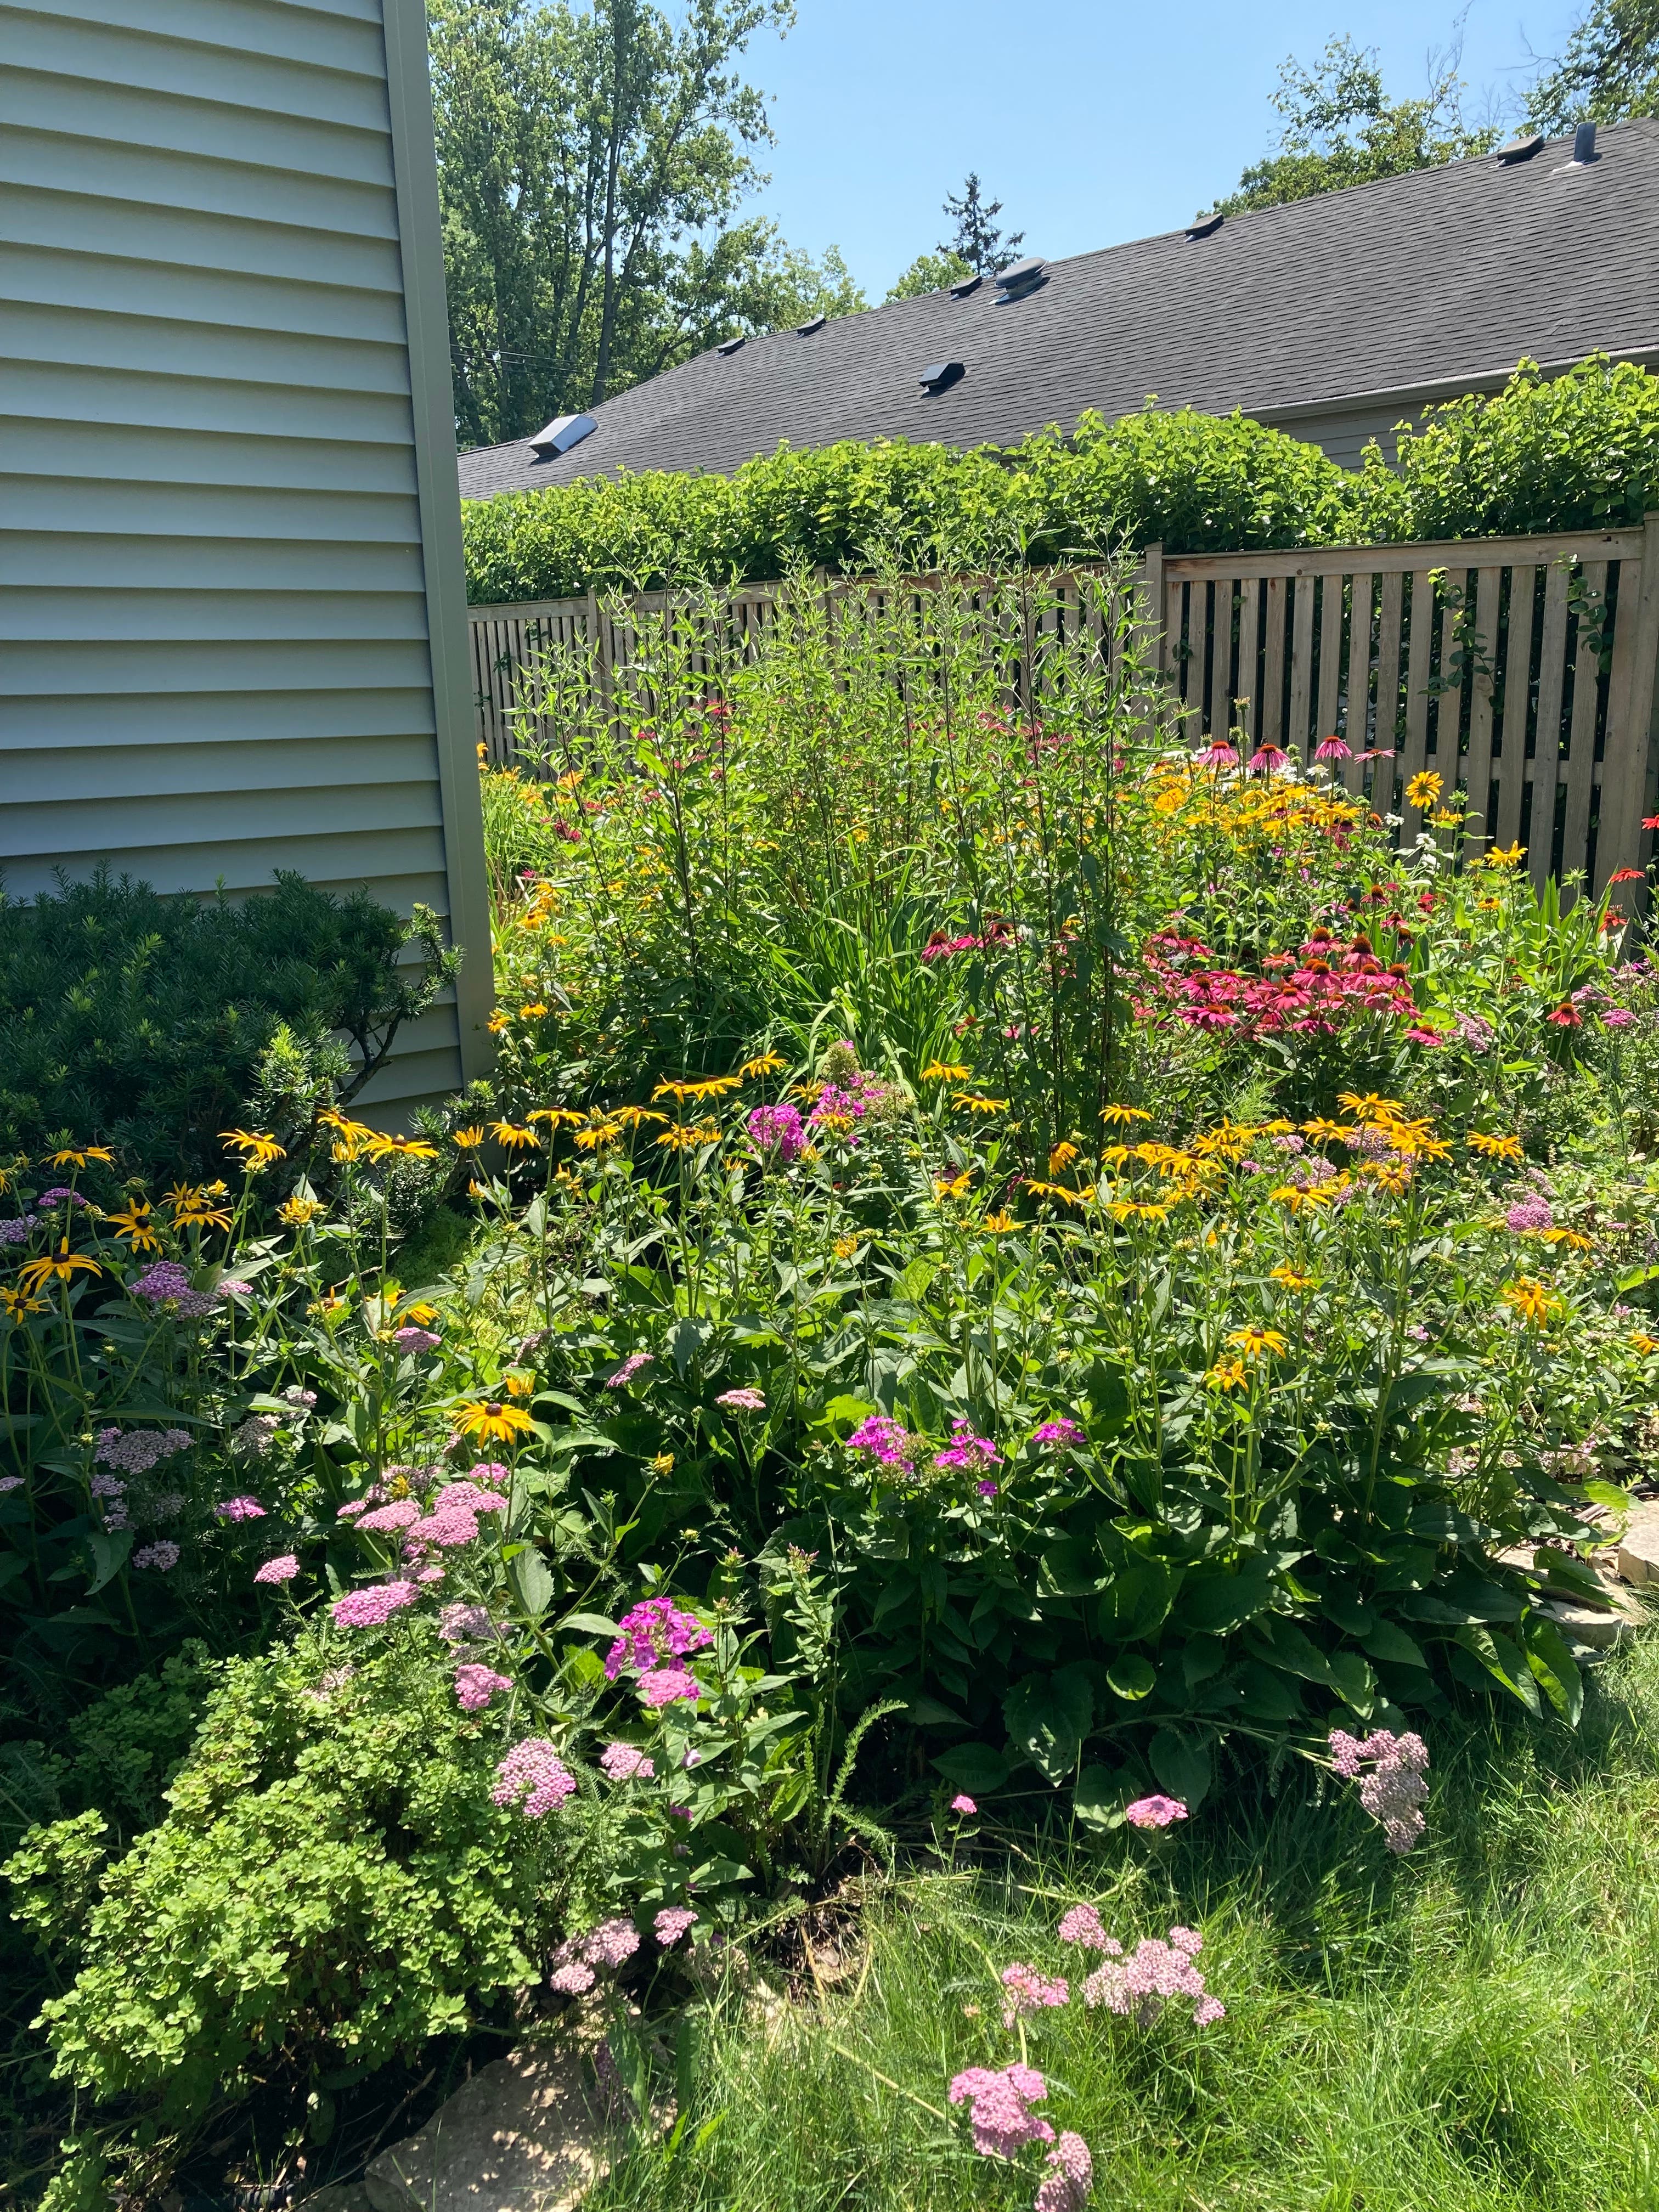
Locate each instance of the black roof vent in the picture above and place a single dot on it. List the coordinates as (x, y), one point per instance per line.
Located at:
(809, 329)
(1583, 145)
(1205, 226)
(964, 285)
(732, 345)
(940, 375)
(1521, 149)
(563, 432)
(1023, 276)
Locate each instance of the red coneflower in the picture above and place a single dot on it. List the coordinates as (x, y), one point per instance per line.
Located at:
(1566, 1017)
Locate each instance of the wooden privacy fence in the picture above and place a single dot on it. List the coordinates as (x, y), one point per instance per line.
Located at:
(1520, 670)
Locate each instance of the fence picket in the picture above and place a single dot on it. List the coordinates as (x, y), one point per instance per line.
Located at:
(1547, 739)
(1478, 773)
(1581, 741)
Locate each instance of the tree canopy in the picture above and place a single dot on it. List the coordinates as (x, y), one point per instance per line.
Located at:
(1608, 69)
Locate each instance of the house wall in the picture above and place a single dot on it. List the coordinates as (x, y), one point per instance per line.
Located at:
(233, 627)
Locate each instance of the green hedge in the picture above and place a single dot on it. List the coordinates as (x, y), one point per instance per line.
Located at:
(1578, 450)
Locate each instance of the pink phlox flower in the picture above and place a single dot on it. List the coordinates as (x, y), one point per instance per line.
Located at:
(1151, 1976)
(373, 1605)
(282, 1569)
(629, 1367)
(239, 1509)
(999, 2113)
(987, 1489)
(1064, 1430)
(1028, 1991)
(533, 1774)
(655, 1630)
(970, 1454)
(1070, 2177)
(1393, 1791)
(962, 1803)
(1155, 1812)
(402, 1513)
(777, 1129)
(667, 1686)
(475, 1686)
(885, 1440)
(742, 1400)
(625, 1762)
(163, 1557)
(672, 1922)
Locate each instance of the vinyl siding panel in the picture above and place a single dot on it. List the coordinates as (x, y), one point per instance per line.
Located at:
(231, 619)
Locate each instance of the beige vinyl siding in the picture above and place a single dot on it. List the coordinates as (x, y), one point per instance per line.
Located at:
(231, 617)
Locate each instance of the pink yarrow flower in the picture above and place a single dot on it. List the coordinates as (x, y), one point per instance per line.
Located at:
(1153, 1975)
(743, 1401)
(402, 1513)
(475, 1685)
(412, 1341)
(239, 1509)
(1155, 1812)
(672, 1922)
(533, 1777)
(667, 1686)
(626, 1762)
(163, 1557)
(1070, 2177)
(282, 1569)
(372, 1606)
(629, 1367)
(962, 1803)
(999, 2108)
(1394, 1789)
(1028, 1991)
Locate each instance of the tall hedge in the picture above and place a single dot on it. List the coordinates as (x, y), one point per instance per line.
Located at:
(1574, 452)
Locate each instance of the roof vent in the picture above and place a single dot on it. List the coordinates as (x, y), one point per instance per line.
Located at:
(1521, 149)
(732, 345)
(1205, 226)
(809, 329)
(1023, 276)
(964, 285)
(940, 375)
(1583, 145)
(563, 432)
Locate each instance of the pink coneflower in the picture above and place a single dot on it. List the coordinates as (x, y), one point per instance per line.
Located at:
(1155, 1812)
(1267, 760)
(1218, 754)
(1333, 749)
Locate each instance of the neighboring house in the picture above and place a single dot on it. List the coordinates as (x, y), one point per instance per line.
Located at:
(1333, 317)
(234, 614)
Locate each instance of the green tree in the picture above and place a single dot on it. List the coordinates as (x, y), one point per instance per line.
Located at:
(590, 164)
(931, 272)
(1342, 128)
(977, 239)
(1609, 69)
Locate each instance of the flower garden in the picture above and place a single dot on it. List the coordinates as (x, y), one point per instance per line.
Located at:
(968, 1503)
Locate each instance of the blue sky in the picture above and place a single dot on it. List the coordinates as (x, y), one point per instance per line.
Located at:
(1092, 122)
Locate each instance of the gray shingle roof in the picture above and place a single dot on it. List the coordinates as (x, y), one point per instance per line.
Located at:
(1437, 281)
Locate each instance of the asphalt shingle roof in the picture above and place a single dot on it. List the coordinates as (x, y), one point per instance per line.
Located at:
(1434, 281)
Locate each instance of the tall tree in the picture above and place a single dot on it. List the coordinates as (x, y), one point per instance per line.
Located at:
(591, 162)
(930, 272)
(977, 240)
(1608, 69)
(1340, 127)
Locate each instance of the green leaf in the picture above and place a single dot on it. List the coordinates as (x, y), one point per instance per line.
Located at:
(1211, 1603)
(1390, 1642)
(532, 1582)
(1554, 1667)
(1047, 1716)
(1101, 1795)
(975, 1767)
(585, 1623)
(1503, 1660)
(912, 1284)
(1130, 1676)
(1183, 1762)
(109, 1549)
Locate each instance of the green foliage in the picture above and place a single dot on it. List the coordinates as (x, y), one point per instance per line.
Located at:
(141, 1022)
(930, 272)
(1576, 451)
(1341, 128)
(332, 1886)
(977, 237)
(1608, 69)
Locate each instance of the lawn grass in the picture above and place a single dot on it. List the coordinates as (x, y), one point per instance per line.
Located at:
(1469, 2029)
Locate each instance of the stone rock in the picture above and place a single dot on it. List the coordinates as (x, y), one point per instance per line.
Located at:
(1585, 1624)
(529, 2133)
(1638, 1547)
(339, 2197)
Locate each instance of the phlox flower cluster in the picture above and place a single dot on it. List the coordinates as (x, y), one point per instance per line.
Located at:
(164, 1556)
(165, 1282)
(373, 1605)
(1058, 1433)
(1394, 1789)
(885, 1440)
(239, 1509)
(629, 1367)
(1028, 1991)
(999, 2112)
(1327, 984)
(966, 1453)
(534, 1776)
(475, 1686)
(777, 1130)
(1140, 1984)
(1071, 2174)
(625, 1762)
(656, 1630)
(139, 1450)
